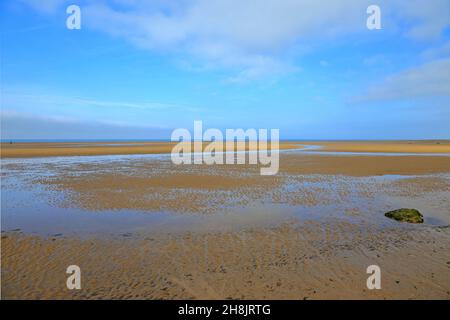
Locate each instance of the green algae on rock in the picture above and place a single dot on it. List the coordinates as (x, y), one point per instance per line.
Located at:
(405, 215)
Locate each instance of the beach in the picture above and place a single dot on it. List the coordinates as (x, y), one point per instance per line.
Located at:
(140, 227)
(240, 151)
(53, 149)
(58, 149)
(279, 263)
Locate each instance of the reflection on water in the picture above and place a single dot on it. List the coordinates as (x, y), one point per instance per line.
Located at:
(28, 210)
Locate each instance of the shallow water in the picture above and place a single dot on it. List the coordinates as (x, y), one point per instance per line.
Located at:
(32, 208)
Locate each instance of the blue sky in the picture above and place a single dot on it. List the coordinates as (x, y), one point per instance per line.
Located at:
(139, 69)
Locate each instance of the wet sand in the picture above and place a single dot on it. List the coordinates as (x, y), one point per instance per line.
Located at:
(318, 249)
(422, 146)
(286, 262)
(364, 165)
(160, 185)
(58, 149)
(51, 149)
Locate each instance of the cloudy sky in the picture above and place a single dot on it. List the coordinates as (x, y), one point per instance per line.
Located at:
(138, 69)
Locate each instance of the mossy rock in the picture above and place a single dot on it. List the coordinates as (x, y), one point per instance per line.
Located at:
(405, 215)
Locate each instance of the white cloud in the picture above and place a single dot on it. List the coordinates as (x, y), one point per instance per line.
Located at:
(257, 36)
(14, 97)
(429, 79)
(437, 52)
(16, 125)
